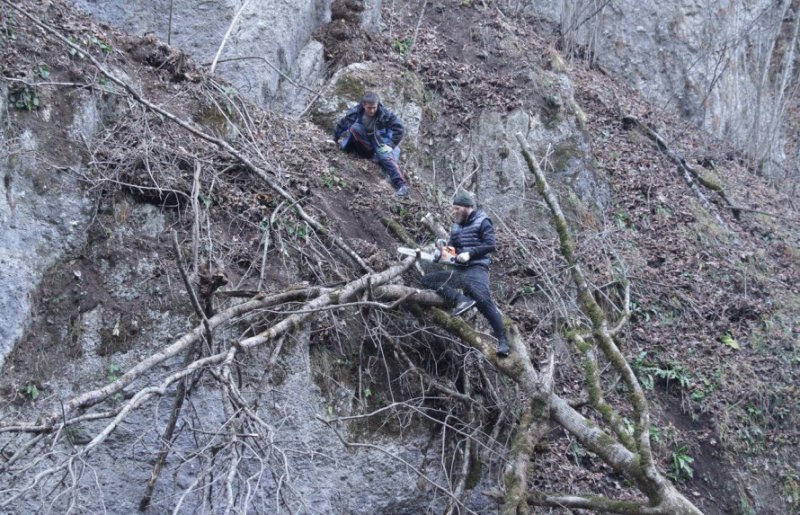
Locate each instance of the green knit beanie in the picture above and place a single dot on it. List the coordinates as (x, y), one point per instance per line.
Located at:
(463, 198)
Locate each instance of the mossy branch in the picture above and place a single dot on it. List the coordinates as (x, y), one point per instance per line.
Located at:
(640, 466)
(688, 171)
(596, 398)
(595, 503)
(515, 475)
(532, 427)
(398, 230)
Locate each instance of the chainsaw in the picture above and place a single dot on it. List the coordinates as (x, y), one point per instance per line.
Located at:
(444, 254)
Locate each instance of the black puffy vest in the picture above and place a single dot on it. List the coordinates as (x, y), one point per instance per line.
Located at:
(468, 236)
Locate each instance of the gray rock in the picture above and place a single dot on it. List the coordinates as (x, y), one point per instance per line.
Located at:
(306, 79)
(700, 62)
(266, 42)
(41, 219)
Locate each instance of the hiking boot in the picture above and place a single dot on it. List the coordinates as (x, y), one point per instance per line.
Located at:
(463, 305)
(502, 347)
(402, 191)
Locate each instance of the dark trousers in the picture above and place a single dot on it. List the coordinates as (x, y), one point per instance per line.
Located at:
(474, 281)
(359, 142)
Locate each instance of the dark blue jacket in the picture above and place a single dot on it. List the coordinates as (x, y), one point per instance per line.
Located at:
(388, 127)
(475, 236)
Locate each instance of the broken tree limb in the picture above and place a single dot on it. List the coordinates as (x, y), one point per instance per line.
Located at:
(434, 227)
(532, 427)
(689, 173)
(399, 231)
(49, 422)
(344, 294)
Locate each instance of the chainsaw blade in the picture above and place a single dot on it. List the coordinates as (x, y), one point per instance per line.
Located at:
(406, 251)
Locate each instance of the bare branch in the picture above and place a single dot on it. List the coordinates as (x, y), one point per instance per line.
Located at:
(227, 34)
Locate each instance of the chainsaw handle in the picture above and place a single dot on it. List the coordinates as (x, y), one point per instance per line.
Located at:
(448, 254)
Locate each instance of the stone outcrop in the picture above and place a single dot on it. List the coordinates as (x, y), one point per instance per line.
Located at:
(269, 55)
(704, 61)
(42, 216)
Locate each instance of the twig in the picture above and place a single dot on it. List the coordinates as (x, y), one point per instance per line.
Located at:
(416, 29)
(227, 34)
(196, 222)
(310, 103)
(426, 378)
(192, 295)
(282, 74)
(169, 24)
(166, 438)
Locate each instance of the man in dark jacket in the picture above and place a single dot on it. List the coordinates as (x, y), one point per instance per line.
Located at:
(372, 130)
(472, 235)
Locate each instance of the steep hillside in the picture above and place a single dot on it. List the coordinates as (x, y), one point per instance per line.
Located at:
(215, 318)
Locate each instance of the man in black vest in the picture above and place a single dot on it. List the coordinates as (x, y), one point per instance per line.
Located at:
(472, 235)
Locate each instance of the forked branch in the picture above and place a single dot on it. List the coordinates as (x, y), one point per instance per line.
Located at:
(638, 463)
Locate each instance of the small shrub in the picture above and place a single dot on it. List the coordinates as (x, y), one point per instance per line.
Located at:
(681, 469)
(670, 372)
(72, 433)
(331, 180)
(74, 52)
(402, 46)
(101, 43)
(32, 391)
(113, 372)
(24, 97)
(8, 26)
(745, 508)
(655, 434)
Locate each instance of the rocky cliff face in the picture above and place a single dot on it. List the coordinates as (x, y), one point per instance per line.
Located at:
(717, 65)
(96, 182)
(42, 217)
